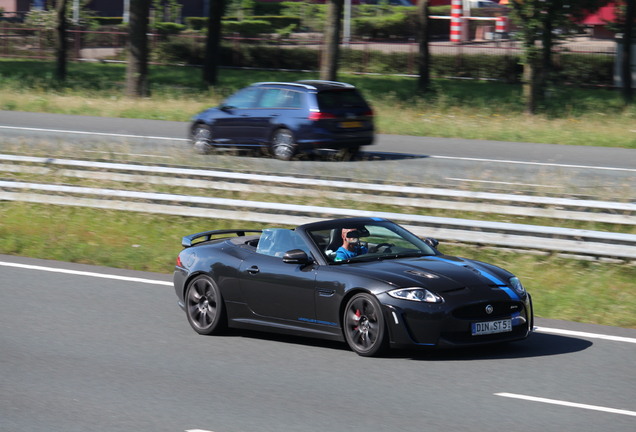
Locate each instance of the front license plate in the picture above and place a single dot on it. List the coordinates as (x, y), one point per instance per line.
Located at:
(351, 124)
(492, 327)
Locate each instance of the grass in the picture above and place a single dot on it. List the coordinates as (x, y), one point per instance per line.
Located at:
(600, 293)
(455, 108)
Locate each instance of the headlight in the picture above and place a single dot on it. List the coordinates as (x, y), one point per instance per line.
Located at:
(416, 294)
(515, 283)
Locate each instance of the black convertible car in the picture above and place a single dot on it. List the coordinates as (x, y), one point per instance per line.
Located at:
(366, 281)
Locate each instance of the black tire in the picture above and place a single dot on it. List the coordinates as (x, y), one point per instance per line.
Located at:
(349, 154)
(283, 145)
(204, 306)
(202, 139)
(364, 327)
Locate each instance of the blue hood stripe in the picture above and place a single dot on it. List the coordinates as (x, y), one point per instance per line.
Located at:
(504, 287)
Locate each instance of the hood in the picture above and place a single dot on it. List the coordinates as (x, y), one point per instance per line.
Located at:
(436, 273)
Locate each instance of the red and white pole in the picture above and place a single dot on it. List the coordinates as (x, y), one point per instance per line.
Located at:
(501, 25)
(456, 21)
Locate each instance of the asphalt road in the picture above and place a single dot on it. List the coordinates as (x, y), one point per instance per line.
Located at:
(593, 171)
(84, 352)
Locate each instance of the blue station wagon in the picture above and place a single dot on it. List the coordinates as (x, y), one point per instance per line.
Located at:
(287, 118)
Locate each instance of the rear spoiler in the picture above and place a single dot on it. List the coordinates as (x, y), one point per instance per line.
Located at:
(207, 235)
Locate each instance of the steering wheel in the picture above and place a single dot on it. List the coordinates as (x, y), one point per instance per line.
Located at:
(388, 247)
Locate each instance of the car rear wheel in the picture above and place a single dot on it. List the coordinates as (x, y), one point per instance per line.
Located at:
(204, 306)
(283, 145)
(202, 139)
(349, 154)
(364, 327)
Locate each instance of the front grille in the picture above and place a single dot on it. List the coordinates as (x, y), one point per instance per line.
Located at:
(477, 311)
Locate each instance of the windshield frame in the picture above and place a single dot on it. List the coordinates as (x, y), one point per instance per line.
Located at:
(324, 235)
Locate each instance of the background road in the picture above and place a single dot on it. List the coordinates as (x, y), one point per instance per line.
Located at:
(595, 171)
(80, 352)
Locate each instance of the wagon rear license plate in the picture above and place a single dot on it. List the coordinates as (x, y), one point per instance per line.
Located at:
(492, 327)
(351, 124)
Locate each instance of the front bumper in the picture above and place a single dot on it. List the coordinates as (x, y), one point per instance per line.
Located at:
(442, 325)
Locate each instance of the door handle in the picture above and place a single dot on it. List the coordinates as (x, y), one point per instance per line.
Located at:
(253, 270)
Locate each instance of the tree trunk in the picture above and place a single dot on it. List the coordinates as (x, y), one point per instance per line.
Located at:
(329, 60)
(137, 69)
(60, 40)
(424, 79)
(213, 42)
(628, 39)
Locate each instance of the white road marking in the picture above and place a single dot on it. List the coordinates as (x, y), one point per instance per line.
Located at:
(197, 430)
(503, 161)
(92, 133)
(129, 154)
(165, 283)
(500, 182)
(568, 404)
(430, 156)
(585, 335)
(84, 273)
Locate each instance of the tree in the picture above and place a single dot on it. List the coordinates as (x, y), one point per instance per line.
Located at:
(424, 79)
(137, 48)
(330, 54)
(538, 20)
(213, 42)
(60, 40)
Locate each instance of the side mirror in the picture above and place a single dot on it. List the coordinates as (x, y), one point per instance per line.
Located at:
(432, 242)
(296, 256)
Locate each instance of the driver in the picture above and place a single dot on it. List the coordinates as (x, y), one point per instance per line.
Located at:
(350, 245)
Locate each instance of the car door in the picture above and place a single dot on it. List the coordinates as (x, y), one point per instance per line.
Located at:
(257, 121)
(275, 289)
(236, 115)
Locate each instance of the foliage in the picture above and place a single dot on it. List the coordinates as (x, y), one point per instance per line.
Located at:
(166, 10)
(166, 29)
(108, 21)
(539, 20)
(577, 69)
(46, 19)
(247, 28)
(197, 23)
(180, 50)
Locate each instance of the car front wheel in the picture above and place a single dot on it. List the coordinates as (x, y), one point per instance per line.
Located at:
(283, 145)
(204, 306)
(202, 139)
(364, 328)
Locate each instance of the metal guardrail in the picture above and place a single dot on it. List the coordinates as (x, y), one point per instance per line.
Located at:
(572, 241)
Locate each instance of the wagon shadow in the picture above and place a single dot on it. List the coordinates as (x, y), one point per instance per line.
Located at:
(364, 156)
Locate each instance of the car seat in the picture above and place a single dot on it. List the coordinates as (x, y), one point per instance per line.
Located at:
(335, 241)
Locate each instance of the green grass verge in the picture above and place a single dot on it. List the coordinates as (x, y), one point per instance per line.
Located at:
(599, 293)
(455, 108)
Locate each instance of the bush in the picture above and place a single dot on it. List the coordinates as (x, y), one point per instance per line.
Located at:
(166, 29)
(197, 23)
(390, 26)
(579, 69)
(582, 69)
(247, 28)
(180, 50)
(108, 21)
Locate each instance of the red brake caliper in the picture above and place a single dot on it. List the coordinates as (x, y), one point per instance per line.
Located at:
(358, 315)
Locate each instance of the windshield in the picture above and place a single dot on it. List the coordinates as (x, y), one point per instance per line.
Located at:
(377, 240)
